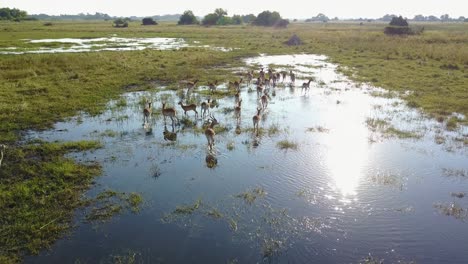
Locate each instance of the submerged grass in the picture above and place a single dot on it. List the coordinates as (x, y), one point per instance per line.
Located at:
(384, 127)
(286, 144)
(454, 210)
(251, 195)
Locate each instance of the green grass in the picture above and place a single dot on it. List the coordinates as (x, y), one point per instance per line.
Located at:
(39, 191)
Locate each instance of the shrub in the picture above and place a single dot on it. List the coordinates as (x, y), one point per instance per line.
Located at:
(148, 21)
(210, 19)
(187, 18)
(399, 26)
(393, 30)
(399, 21)
(267, 18)
(120, 23)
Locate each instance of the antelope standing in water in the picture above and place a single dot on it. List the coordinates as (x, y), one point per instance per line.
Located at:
(147, 113)
(256, 119)
(209, 131)
(259, 90)
(293, 77)
(237, 109)
(249, 77)
(264, 100)
(237, 96)
(236, 84)
(191, 85)
(213, 86)
(262, 75)
(170, 112)
(205, 106)
(284, 73)
(306, 85)
(189, 107)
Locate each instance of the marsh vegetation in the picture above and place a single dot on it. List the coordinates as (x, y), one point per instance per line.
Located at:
(49, 101)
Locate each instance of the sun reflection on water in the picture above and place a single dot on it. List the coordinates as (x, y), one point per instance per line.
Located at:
(348, 153)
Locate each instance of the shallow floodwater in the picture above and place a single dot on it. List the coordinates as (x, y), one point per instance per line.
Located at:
(350, 188)
(114, 43)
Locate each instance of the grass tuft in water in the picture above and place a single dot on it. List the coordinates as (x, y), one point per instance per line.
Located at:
(187, 209)
(454, 210)
(110, 203)
(458, 194)
(250, 196)
(286, 144)
(187, 122)
(271, 248)
(231, 146)
(452, 123)
(382, 126)
(371, 260)
(319, 129)
(455, 173)
(214, 213)
(233, 224)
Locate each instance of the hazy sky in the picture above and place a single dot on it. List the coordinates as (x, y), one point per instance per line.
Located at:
(287, 8)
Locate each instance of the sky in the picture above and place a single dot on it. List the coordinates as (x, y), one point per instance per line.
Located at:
(287, 8)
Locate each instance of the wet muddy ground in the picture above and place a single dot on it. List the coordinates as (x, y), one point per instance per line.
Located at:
(335, 173)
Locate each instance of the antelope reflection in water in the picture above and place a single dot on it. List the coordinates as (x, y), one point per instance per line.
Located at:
(170, 136)
(211, 160)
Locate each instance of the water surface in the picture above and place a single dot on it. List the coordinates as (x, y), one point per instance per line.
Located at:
(350, 189)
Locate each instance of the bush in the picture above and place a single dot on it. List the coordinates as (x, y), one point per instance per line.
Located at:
(210, 19)
(148, 21)
(399, 26)
(399, 21)
(187, 18)
(394, 30)
(120, 23)
(267, 18)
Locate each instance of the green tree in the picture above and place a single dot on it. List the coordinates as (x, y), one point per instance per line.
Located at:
(267, 18)
(399, 21)
(210, 19)
(236, 19)
(187, 18)
(248, 18)
(12, 14)
(220, 12)
(218, 17)
(225, 20)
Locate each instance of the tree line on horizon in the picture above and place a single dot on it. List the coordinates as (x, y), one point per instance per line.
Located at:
(218, 17)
